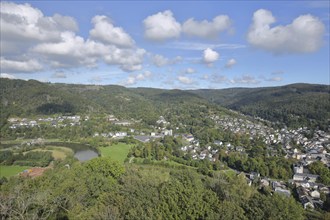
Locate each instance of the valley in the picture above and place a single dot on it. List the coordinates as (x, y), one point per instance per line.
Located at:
(162, 134)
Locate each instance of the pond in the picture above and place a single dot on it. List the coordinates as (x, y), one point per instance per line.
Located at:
(82, 152)
(84, 155)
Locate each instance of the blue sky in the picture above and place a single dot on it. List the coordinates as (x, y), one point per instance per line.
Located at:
(166, 44)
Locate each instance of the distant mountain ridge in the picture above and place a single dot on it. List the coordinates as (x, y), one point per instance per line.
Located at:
(294, 105)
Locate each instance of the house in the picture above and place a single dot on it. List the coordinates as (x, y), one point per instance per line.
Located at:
(264, 182)
(168, 132)
(315, 194)
(240, 149)
(298, 168)
(188, 137)
(142, 138)
(121, 134)
(33, 123)
(203, 154)
(184, 148)
(161, 120)
(282, 191)
(254, 175)
(111, 118)
(300, 156)
(219, 143)
(301, 191)
(123, 123)
(324, 189)
(13, 120)
(305, 176)
(306, 201)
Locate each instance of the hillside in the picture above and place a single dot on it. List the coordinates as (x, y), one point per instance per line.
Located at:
(293, 105)
(26, 98)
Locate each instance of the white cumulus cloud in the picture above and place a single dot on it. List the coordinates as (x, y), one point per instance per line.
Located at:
(244, 79)
(59, 75)
(159, 60)
(210, 56)
(190, 70)
(206, 29)
(161, 26)
(74, 51)
(133, 79)
(107, 33)
(25, 66)
(22, 26)
(128, 59)
(130, 81)
(230, 63)
(143, 76)
(53, 42)
(6, 75)
(303, 35)
(71, 51)
(185, 80)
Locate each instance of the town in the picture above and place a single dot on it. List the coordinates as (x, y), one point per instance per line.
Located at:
(302, 145)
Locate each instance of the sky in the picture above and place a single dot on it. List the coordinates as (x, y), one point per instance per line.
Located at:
(166, 44)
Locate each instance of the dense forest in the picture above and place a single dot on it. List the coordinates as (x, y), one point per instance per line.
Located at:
(103, 189)
(294, 105)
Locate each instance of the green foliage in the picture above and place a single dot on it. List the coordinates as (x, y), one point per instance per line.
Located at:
(101, 189)
(52, 108)
(295, 105)
(32, 158)
(273, 207)
(105, 166)
(320, 169)
(276, 167)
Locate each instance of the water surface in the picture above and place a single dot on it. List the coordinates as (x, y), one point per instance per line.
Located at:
(85, 154)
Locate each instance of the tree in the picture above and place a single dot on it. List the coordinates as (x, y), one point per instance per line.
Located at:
(319, 168)
(105, 166)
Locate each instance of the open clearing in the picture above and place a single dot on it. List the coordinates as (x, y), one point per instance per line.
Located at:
(116, 152)
(8, 171)
(57, 152)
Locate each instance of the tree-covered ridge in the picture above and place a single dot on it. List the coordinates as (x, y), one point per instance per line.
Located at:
(294, 105)
(103, 189)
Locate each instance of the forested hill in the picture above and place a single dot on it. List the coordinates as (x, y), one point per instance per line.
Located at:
(294, 105)
(24, 98)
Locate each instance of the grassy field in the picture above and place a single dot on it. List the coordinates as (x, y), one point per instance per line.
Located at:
(57, 152)
(158, 174)
(19, 141)
(116, 152)
(8, 171)
(229, 172)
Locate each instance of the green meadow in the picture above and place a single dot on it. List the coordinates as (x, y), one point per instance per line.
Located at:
(116, 152)
(8, 171)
